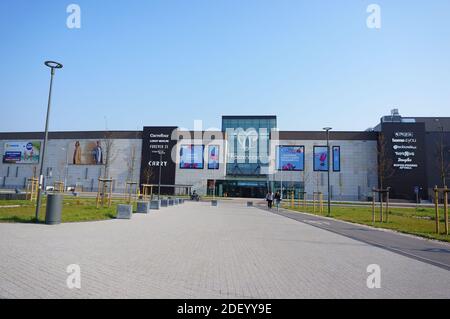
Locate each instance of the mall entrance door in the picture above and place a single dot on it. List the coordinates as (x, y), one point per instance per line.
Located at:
(238, 188)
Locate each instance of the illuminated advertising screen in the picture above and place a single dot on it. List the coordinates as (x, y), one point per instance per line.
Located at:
(23, 152)
(86, 152)
(213, 157)
(320, 158)
(336, 158)
(191, 156)
(291, 158)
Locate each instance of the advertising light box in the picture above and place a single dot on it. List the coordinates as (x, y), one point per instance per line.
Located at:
(320, 158)
(22, 152)
(213, 157)
(191, 156)
(291, 158)
(336, 159)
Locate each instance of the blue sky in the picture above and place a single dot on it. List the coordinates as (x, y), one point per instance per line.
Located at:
(312, 63)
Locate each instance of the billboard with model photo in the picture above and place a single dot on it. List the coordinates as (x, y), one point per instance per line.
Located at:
(22, 152)
(87, 152)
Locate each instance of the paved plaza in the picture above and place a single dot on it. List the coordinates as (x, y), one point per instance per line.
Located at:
(199, 251)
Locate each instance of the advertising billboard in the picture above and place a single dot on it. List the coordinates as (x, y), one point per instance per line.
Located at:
(213, 157)
(320, 158)
(291, 158)
(22, 152)
(86, 152)
(191, 156)
(404, 158)
(336, 158)
(156, 140)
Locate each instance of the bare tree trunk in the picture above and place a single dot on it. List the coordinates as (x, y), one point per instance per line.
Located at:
(109, 153)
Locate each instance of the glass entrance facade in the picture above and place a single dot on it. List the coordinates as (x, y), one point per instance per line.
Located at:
(239, 188)
(248, 139)
(254, 189)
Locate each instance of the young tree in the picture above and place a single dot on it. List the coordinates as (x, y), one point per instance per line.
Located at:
(305, 179)
(148, 174)
(442, 162)
(317, 180)
(109, 152)
(131, 163)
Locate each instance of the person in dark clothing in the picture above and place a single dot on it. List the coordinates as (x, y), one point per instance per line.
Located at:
(269, 199)
(277, 199)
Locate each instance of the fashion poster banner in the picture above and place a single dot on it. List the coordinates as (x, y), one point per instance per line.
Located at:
(191, 156)
(320, 158)
(213, 157)
(84, 152)
(22, 152)
(291, 158)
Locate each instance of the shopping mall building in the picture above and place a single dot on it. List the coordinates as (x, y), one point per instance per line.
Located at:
(247, 157)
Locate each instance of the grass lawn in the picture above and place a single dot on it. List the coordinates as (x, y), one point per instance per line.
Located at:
(74, 210)
(420, 221)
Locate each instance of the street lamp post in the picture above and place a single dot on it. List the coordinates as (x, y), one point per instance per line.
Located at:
(328, 129)
(52, 65)
(159, 178)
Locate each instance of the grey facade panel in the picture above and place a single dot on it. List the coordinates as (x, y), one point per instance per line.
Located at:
(320, 135)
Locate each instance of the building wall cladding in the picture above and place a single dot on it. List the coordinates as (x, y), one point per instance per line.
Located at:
(57, 161)
(357, 177)
(433, 142)
(198, 178)
(354, 181)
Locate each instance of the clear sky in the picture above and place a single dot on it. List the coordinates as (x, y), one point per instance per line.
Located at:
(166, 62)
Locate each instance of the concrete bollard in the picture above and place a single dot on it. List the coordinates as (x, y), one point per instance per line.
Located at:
(143, 207)
(124, 211)
(155, 204)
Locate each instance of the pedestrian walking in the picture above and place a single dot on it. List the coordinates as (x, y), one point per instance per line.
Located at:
(277, 198)
(269, 199)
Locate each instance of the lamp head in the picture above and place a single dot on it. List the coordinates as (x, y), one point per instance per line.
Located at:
(53, 64)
